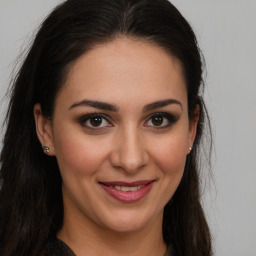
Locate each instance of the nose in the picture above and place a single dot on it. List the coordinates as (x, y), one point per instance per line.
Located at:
(129, 153)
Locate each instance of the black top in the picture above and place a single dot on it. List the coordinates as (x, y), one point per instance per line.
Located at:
(59, 248)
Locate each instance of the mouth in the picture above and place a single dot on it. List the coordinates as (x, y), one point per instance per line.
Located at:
(128, 192)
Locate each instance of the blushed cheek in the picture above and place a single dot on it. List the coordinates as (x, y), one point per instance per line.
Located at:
(173, 166)
(79, 157)
(171, 158)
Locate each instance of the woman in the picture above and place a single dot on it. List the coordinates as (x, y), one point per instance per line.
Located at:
(100, 155)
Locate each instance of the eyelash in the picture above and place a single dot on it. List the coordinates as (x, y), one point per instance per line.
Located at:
(166, 117)
(171, 119)
(87, 118)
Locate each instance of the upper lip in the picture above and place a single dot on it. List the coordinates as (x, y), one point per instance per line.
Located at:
(127, 184)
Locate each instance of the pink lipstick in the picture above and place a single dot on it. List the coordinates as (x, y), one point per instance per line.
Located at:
(128, 192)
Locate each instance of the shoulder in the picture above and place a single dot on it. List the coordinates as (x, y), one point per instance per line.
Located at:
(56, 248)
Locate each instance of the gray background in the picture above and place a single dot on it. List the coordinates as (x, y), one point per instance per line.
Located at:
(227, 36)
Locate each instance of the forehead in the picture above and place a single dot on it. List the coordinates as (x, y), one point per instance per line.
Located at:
(122, 69)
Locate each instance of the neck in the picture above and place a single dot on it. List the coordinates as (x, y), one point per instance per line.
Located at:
(87, 238)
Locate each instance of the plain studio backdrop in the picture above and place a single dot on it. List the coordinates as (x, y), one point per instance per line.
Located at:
(227, 35)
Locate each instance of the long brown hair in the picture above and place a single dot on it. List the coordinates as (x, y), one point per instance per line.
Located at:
(31, 210)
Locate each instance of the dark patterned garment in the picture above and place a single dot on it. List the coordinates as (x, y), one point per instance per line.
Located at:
(59, 248)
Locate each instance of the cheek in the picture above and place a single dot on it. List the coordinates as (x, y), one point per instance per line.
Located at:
(78, 155)
(170, 155)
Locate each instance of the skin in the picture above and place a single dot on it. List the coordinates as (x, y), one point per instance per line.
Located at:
(126, 146)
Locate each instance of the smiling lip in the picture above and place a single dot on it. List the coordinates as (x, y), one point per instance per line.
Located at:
(128, 192)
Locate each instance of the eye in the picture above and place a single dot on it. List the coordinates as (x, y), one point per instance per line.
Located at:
(95, 121)
(161, 120)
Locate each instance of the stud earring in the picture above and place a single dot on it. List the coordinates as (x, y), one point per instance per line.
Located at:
(46, 149)
(190, 149)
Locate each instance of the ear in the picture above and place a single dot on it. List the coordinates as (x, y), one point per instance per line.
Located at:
(193, 127)
(44, 130)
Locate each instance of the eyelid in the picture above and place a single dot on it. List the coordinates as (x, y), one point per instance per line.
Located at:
(86, 117)
(170, 117)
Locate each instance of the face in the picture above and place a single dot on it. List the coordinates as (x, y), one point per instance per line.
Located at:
(120, 133)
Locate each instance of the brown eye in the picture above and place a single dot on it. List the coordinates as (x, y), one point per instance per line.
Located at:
(157, 120)
(161, 120)
(95, 121)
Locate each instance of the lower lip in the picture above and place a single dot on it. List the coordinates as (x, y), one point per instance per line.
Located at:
(129, 196)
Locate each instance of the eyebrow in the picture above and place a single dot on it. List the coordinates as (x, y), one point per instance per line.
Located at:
(95, 104)
(161, 104)
(114, 108)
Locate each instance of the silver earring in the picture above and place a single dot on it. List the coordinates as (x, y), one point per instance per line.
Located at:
(190, 149)
(46, 149)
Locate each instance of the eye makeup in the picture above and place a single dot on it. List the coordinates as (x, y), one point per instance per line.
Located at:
(95, 121)
(99, 121)
(161, 120)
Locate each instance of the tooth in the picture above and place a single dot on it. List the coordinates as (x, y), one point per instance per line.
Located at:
(125, 189)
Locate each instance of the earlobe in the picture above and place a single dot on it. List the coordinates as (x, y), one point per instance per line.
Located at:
(44, 130)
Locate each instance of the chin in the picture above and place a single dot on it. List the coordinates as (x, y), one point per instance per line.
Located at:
(131, 221)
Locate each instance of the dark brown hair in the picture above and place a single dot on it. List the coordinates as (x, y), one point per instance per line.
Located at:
(31, 210)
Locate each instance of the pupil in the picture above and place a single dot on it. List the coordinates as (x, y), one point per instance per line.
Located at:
(95, 121)
(157, 120)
